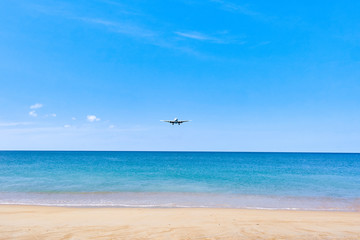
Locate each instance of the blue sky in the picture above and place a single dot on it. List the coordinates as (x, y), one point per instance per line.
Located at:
(251, 75)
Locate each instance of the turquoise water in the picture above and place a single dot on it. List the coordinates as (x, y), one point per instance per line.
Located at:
(176, 179)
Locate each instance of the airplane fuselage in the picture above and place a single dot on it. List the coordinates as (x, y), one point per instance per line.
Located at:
(175, 121)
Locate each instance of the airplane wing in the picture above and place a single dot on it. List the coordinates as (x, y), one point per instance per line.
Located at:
(166, 121)
(182, 121)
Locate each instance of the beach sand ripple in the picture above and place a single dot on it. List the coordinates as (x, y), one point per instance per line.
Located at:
(36, 222)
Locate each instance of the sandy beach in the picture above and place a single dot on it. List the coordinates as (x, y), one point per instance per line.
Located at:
(38, 222)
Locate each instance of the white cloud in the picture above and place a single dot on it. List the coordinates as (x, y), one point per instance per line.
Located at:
(36, 106)
(112, 126)
(33, 113)
(73, 118)
(67, 126)
(220, 37)
(195, 35)
(53, 114)
(13, 124)
(229, 6)
(125, 27)
(92, 118)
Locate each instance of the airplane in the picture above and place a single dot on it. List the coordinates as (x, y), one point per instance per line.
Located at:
(175, 121)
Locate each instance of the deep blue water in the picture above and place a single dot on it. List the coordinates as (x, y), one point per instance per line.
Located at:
(181, 178)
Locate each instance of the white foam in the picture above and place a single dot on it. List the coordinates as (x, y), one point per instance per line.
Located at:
(179, 200)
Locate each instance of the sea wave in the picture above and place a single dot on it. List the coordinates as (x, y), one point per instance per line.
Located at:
(180, 200)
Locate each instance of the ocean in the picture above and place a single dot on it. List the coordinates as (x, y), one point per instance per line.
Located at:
(298, 181)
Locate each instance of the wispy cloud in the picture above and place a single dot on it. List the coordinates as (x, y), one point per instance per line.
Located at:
(229, 6)
(33, 113)
(74, 129)
(246, 10)
(123, 27)
(92, 118)
(122, 8)
(14, 124)
(147, 35)
(36, 106)
(220, 38)
(97, 21)
(126, 26)
(196, 36)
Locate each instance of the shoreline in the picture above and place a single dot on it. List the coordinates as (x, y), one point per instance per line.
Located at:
(180, 200)
(43, 222)
(178, 207)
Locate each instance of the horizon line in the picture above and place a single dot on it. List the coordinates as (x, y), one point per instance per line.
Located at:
(185, 151)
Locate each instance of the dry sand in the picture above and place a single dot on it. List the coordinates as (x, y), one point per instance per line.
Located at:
(35, 222)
